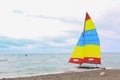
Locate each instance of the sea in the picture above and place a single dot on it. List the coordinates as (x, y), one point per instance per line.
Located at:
(20, 65)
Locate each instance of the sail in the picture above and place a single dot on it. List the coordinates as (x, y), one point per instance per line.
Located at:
(87, 49)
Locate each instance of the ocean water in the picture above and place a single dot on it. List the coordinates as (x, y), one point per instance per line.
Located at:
(15, 65)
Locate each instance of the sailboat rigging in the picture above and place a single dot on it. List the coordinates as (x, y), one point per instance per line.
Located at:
(87, 49)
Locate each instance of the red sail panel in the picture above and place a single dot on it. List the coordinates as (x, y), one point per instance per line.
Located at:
(92, 60)
(87, 16)
(76, 60)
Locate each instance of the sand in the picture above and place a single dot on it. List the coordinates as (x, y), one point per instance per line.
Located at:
(87, 75)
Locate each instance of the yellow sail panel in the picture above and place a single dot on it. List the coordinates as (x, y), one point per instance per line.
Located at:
(77, 53)
(86, 51)
(92, 51)
(89, 25)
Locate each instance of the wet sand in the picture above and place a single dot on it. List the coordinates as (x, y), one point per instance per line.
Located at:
(112, 74)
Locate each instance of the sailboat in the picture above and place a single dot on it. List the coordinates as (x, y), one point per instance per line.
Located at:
(87, 49)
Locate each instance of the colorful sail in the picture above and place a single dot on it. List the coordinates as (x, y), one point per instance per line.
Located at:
(87, 49)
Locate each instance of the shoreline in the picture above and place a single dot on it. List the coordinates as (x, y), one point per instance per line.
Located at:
(48, 73)
(39, 74)
(110, 74)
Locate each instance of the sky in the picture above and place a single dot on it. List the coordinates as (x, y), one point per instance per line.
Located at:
(54, 26)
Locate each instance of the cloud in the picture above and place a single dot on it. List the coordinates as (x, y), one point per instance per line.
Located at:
(6, 42)
(33, 28)
(11, 45)
(18, 11)
(64, 20)
(109, 34)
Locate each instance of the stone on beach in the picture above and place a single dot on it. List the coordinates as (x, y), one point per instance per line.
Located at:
(102, 73)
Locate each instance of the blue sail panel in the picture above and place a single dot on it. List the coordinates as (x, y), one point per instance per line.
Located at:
(89, 37)
(81, 41)
(90, 32)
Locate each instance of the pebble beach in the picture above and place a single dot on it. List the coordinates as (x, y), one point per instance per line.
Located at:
(109, 74)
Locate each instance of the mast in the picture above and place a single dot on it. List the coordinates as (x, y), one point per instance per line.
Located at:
(86, 18)
(84, 23)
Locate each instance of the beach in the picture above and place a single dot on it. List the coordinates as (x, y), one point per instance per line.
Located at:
(109, 74)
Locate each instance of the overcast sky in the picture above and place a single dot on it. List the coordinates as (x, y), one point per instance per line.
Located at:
(54, 26)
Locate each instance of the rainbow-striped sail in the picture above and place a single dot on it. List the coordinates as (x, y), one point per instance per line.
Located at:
(87, 49)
